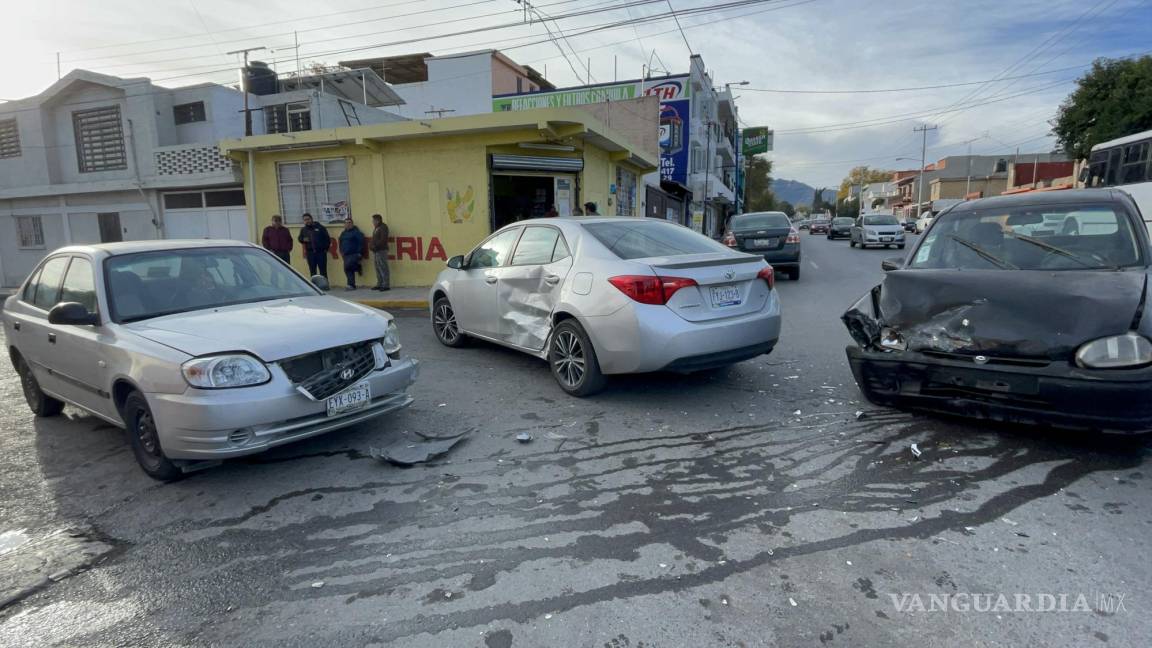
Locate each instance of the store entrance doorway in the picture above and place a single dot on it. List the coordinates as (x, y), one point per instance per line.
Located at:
(516, 197)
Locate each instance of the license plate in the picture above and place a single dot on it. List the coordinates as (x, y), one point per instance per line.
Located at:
(763, 243)
(350, 400)
(885, 238)
(725, 296)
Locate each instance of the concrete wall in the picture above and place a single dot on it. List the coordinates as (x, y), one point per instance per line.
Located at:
(956, 187)
(460, 83)
(504, 77)
(638, 120)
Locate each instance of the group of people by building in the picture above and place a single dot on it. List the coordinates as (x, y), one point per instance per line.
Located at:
(351, 245)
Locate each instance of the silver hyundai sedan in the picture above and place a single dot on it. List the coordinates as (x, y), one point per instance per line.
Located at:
(203, 350)
(597, 296)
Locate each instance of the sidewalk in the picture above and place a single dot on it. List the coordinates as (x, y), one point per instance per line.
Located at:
(395, 298)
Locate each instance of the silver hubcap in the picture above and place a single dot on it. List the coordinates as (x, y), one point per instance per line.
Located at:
(568, 358)
(444, 321)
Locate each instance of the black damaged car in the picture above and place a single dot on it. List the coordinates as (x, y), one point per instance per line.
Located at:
(1030, 308)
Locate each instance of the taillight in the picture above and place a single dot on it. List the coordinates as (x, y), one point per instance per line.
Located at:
(793, 236)
(768, 275)
(648, 289)
(729, 240)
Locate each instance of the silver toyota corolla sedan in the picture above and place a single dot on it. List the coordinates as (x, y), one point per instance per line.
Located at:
(203, 350)
(598, 296)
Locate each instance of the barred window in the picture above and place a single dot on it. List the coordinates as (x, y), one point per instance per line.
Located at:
(189, 113)
(288, 118)
(30, 232)
(99, 139)
(625, 192)
(9, 139)
(313, 186)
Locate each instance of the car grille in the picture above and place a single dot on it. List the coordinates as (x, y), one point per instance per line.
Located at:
(330, 371)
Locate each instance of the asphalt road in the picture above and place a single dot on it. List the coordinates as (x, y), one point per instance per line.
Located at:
(745, 507)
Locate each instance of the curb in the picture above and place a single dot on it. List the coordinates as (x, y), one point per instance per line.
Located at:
(394, 303)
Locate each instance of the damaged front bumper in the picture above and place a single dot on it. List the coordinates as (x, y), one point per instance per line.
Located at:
(1057, 395)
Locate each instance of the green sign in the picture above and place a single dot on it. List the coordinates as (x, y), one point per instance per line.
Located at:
(666, 88)
(757, 139)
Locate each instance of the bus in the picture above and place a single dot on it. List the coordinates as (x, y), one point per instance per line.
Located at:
(1126, 163)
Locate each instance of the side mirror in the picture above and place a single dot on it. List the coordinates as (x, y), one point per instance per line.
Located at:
(456, 262)
(72, 313)
(888, 265)
(320, 282)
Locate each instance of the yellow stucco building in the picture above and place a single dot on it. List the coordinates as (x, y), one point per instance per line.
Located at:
(441, 185)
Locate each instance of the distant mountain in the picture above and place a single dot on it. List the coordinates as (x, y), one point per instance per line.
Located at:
(798, 193)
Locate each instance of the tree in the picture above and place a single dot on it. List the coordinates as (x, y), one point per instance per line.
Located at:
(787, 208)
(758, 194)
(1112, 100)
(858, 176)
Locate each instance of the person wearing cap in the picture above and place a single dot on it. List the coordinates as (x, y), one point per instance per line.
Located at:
(590, 209)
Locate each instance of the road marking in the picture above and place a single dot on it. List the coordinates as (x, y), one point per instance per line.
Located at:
(814, 266)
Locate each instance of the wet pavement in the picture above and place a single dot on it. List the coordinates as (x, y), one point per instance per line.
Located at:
(744, 507)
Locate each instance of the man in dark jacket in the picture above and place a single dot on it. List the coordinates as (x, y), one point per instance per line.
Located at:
(379, 247)
(352, 249)
(315, 240)
(277, 239)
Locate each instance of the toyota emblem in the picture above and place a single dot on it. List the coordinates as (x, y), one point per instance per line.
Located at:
(981, 359)
(347, 374)
(728, 274)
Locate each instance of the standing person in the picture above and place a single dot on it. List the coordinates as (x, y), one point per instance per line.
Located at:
(379, 247)
(315, 240)
(590, 209)
(278, 240)
(352, 249)
(551, 213)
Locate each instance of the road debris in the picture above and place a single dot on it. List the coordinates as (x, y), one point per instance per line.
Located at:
(409, 452)
(792, 601)
(915, 451)
(796, 413)
(860, 415)
(317, 584)
(548, 616)
(1010, 522)
(524, 437)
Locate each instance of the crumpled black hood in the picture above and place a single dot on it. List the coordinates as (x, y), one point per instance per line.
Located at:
(999, 313)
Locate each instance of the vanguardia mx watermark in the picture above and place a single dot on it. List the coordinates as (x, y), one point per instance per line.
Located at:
(1107, 603)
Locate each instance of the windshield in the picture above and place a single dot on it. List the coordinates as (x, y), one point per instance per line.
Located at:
(881, 220)
(842, 222)
(638, 239)
(151, 284)
(1031, 237)
(760, 221)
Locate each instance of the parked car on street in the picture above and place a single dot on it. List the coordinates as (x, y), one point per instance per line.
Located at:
(599, 296)
(803, 224)
(819, 226)
(768, 234)
(202, 350)
(922, 223)
(985, 320)
(841, 227)
(876, 229)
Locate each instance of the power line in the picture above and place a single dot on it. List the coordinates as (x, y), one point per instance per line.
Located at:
(912, 88)
(682, 35)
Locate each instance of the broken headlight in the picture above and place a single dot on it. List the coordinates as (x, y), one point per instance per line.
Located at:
(392, 339)
(1118, 351)
(891, 340)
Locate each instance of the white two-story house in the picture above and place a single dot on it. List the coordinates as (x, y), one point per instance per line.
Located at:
(97, 158)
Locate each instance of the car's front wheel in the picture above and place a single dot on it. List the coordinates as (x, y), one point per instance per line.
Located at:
(41, 404)
(144, 438)
(444, 324)
(573, 360)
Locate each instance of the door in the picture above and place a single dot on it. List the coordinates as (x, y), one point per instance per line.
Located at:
(76, 357)
(32, 337)
(564, 192)
(474, 290)
(529, 288)
(110, 231)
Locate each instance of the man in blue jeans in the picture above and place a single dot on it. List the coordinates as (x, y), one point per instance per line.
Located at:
(352, 249)
(315, 239)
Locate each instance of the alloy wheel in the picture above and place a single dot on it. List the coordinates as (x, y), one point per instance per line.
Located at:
(568, 358)
(444, 323)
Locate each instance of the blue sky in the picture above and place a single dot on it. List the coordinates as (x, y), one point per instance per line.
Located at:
(782, 45)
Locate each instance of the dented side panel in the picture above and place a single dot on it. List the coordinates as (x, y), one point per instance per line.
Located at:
(527, 297)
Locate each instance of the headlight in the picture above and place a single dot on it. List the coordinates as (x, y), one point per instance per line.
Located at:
(392, 339)
(224, 371)
(1128, 350)
(891, 340)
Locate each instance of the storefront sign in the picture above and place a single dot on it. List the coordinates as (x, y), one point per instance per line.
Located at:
(674, 120)
(413, 248)
(757, 140)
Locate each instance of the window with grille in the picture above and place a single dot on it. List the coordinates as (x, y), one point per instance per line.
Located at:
(288, 118)
(9, 139)
(625, 191)
(30, 232)
(189, 113)
(310, 186)
(99, 139)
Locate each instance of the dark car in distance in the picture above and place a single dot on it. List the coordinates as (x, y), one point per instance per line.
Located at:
(819, 226)
(1029, 308)
(841, 227)
(909, 226)
(769, 234)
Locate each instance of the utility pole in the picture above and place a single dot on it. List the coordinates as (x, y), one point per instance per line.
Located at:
(244, 86)
(57, 66)
(707, 174)
(296, 44)
(923, 153)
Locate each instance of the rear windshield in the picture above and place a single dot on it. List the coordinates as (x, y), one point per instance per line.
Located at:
(637, 239)
(760, 221)
(881, 220)
(1031, 237)
(842, 222)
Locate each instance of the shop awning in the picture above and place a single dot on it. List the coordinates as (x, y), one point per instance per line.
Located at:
(537, 163)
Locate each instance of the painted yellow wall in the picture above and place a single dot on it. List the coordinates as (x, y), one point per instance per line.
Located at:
(432, 192)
